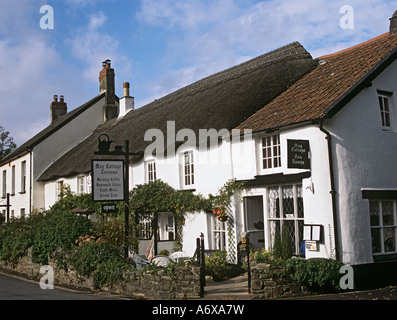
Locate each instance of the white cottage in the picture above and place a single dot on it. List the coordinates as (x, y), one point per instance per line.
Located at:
(323, 159)
(20, 170)
(178, 138)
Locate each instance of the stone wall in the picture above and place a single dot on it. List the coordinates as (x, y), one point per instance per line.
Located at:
(263, 286)
(183, 283)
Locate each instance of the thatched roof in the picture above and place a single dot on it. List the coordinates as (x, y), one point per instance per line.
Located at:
(221, 101)
(323, 92)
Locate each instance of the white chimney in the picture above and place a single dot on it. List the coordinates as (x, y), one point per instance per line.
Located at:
(126, 103)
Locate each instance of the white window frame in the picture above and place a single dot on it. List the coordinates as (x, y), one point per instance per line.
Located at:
(188, 171)
(270, 153)
(218, 238)
(151, 171)
(295, 218)
(388, 114)
(13, 180)
(23, 177)
(58, 188)
(4, 184)
(382, 226)
(81, 185)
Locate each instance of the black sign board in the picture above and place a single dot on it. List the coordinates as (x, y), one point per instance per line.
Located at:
(242, 252)
(109, 208)
(298, 154)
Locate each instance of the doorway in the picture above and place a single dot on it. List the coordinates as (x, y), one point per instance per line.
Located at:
(254, 221)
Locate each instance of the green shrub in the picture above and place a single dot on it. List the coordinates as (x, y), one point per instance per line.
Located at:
(56, 235)
(318, 274)
(18, 236)
(100, 260)
(216, 265)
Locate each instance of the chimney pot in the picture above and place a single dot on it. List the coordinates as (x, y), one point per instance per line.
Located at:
(55, 98)
(61, 98)
(393, 23)
(126, 86)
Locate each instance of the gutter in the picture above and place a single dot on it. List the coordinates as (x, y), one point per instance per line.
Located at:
(320, 123)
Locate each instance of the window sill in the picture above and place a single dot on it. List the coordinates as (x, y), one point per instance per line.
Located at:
(22, 192)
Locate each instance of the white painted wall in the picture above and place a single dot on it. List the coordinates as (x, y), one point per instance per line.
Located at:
(365, 157)
(19, 200)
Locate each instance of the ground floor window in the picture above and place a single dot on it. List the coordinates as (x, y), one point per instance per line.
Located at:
(218, 234)
(383, 226)
(285, 210)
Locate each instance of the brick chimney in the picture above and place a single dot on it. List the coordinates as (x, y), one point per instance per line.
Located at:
(106, 84)
(58, 108)
(126, 102)
(393, 23)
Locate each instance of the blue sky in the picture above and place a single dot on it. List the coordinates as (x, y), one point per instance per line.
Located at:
(158, 46)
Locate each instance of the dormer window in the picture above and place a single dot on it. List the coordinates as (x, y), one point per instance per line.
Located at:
(271, 152)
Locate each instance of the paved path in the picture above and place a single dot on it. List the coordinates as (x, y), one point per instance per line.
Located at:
(232, 289)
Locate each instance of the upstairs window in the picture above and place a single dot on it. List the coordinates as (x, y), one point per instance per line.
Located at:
(271, 152)
(81, 185)
(4, 190)
(151, 174)
(385, 106)
(188, 168)
(23, 177)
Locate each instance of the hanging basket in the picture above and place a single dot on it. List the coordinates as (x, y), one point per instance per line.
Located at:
(222, 218)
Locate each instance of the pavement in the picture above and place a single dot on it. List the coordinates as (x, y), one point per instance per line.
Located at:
(230, 289)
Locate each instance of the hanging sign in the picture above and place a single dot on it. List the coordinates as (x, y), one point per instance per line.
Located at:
(298, 154)
(108, 180)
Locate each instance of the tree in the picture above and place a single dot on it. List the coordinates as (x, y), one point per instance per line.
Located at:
(7, 144)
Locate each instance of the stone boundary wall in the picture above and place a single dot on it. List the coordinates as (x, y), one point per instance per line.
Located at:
(184, 283)
(263, 286)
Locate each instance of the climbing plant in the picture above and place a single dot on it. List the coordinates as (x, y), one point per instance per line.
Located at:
(151, 199)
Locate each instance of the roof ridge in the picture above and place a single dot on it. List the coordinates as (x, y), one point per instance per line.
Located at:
(291, 49)
(353, 47)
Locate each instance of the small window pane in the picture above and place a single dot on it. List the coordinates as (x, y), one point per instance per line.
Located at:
(375, 237)
(387, 213)
(390, 239)
(374, 213)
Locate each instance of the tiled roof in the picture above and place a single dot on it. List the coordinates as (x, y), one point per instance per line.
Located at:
(324, 91)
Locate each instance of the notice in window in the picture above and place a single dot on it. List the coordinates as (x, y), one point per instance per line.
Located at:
(108, 180)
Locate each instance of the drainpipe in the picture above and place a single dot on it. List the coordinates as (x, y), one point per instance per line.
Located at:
(320, 123)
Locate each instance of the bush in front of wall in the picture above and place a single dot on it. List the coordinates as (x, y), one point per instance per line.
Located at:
(100, 260)
(56, 236)
(317, 274)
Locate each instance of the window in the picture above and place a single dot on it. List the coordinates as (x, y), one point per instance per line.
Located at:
(23, 177)
(383, 226)
(385, 104)
(188, 168)
(271, 152)
(23, 213)
(13, 180)
(59, 189)
(81, 185)
(219, 234)
(286, 211)
(151, 175)
(4, 189)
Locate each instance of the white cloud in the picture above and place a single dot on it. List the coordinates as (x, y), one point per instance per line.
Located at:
(91, 45)
(209, 36)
